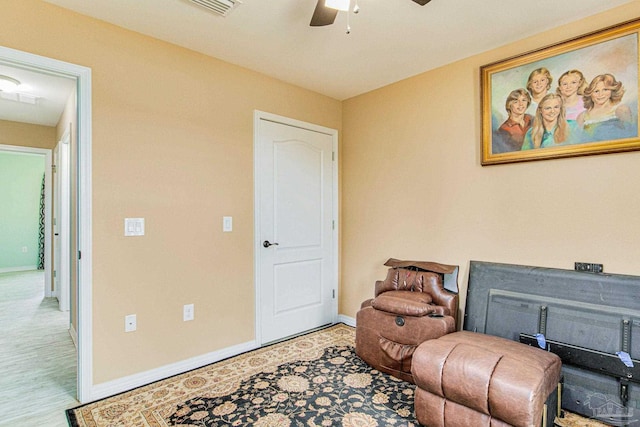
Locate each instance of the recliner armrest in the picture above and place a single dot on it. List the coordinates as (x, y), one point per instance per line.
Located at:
(366, 303)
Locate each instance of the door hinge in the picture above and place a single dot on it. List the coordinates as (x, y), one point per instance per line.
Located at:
(79, 254)
(334, 293)
(333, 224)
(333, 156)
(54, 168)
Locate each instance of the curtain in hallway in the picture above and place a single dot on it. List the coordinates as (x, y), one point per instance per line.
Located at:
(41, 228)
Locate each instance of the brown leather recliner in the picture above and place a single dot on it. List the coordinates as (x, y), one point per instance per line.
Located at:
(418, 301)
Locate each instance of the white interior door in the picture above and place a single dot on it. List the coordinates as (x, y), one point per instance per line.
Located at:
(295, 229)
(62, 224)
(56, 222)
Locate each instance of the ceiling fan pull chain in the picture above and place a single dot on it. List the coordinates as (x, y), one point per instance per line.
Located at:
(348, 25)
(356, 8)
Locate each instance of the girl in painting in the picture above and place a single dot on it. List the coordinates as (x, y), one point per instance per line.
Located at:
(550, 128)
(605, 117)
(511, 132)
(538, 84)
(571, 86)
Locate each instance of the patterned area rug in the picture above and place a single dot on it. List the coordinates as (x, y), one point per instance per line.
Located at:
(573, 420)
(312, 380)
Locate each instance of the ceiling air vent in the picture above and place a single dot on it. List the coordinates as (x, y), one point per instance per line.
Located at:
(221, 7)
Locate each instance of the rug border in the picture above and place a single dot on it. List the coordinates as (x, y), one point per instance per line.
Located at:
(71, 415)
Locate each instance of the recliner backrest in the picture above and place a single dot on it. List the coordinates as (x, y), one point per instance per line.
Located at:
(416, 280)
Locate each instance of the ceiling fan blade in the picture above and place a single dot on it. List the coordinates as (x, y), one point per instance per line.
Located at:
(323, 15)
(422, 2)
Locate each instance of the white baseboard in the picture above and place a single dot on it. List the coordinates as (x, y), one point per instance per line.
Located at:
(20, 268)
(347, 320)
(100, 391)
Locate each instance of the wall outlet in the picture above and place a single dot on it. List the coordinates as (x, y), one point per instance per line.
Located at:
(589, 267)
(130, 323)
(188, 312)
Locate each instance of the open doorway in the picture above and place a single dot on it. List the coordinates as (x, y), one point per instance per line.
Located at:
(75, 118)
(34, 279)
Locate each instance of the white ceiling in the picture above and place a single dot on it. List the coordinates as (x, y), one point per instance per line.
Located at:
(390, 39)
(51, 94)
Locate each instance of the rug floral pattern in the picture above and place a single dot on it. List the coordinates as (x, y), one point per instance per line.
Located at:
(338, 389)
(313, 380)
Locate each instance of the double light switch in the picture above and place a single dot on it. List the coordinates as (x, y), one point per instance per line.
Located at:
(134, 226)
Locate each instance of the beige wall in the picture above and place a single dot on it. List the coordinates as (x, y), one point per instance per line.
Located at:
(413, 187)
(27, 135)
(173, 143)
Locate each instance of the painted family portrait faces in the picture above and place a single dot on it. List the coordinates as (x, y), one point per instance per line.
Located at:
(578, 97)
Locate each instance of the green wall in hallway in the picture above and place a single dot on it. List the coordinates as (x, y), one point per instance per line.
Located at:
(20, 183)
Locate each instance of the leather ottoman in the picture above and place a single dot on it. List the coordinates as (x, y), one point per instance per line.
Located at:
(472, 379)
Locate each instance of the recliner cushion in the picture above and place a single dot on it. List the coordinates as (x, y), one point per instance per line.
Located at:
(404, 303)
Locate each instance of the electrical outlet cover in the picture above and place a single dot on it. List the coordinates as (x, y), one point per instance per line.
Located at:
(130, 323)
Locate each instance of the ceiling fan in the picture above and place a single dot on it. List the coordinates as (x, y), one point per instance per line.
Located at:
(326, 11)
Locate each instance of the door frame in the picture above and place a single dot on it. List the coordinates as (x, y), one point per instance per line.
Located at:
(47, 206)
(257, 244)
(82, 75)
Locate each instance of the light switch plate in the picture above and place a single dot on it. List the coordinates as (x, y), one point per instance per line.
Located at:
(188, 312)
(134, 226)
(227, 224)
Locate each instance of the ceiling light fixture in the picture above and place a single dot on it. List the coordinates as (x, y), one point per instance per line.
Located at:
(343, 5)
(8, 84)
(338, 4)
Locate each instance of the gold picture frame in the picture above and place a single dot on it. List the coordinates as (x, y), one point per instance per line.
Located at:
(600, 116)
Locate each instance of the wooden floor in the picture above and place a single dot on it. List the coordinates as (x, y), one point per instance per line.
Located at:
(37, 355)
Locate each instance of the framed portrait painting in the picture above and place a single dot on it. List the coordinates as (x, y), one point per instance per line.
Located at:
(575, 98)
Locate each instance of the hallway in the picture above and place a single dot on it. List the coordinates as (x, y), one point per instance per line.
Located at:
(37, 355)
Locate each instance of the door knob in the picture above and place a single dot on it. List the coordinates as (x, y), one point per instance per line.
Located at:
(267, 243)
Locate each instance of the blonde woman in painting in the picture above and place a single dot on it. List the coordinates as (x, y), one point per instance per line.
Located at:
(550, 128)
(571, 86)
(538, 84)
(606, 117)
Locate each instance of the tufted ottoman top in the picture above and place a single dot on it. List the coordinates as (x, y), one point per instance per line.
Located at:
(504, 379)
